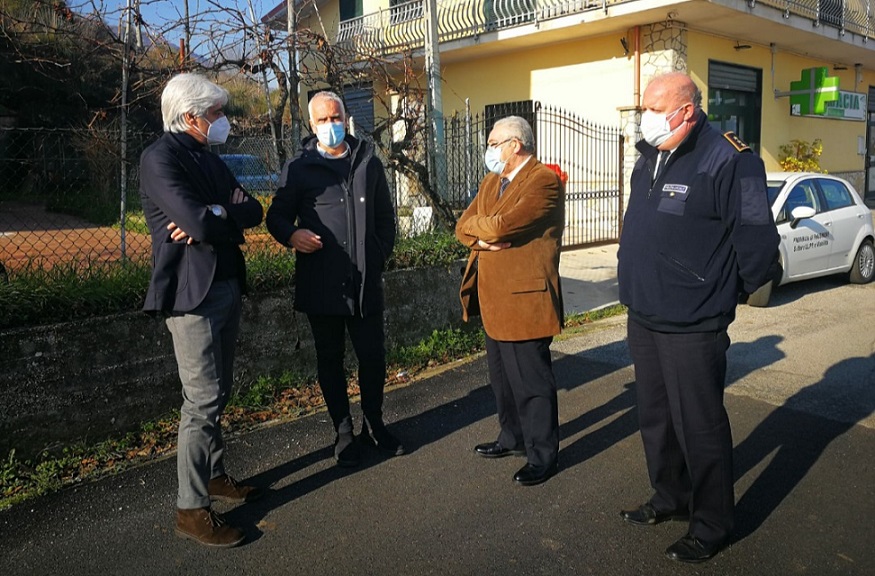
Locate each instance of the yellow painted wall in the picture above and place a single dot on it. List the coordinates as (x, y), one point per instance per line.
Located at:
(592, 78)
(589, 77)
(778, 127)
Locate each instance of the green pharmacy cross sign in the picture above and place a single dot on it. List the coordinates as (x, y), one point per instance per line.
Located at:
(809, 95)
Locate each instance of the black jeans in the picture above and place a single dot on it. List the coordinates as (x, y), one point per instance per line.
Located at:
(366, 335)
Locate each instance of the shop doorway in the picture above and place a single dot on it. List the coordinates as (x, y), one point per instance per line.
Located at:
(735, 101)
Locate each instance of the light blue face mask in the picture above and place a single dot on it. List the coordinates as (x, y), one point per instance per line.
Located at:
(493, 160)
(330, 134)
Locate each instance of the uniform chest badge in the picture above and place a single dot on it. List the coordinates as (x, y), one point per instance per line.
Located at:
(675, 190)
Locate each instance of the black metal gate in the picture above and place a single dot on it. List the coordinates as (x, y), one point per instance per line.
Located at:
(588, 158)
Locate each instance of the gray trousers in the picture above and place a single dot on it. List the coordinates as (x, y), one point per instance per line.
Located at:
(203, 342)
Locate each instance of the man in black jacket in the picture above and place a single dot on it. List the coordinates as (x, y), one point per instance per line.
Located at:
(333, 206)
(698, 232)
(196, 212)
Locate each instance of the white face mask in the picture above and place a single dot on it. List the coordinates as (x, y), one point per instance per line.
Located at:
(218, 131)
(656, 128)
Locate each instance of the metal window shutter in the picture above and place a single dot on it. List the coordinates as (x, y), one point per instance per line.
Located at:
(360, 105)
(730, 77)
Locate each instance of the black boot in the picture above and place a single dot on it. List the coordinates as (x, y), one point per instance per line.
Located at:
(380, 436)
(346, 449)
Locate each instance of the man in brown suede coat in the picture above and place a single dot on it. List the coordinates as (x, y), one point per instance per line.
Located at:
(514, 229)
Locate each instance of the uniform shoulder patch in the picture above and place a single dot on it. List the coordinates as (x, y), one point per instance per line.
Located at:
(736, 142)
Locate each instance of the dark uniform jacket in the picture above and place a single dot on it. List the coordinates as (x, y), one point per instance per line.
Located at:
(355, 208)
(516, 290)
(699, 236)
(179, 178)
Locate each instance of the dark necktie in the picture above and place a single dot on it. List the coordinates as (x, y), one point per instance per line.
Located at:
(505, 182)
(660, 165)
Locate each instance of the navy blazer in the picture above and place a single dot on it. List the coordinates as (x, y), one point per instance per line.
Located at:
(174, 187)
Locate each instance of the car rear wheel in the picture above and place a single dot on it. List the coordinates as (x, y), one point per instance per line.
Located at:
(863, 269)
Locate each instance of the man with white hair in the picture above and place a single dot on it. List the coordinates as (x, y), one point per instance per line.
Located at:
(196, 212)
(333, 206)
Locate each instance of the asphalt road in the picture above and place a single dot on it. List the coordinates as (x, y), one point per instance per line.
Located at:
(801, 398)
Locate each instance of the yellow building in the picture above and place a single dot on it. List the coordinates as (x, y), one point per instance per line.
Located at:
(773, 71)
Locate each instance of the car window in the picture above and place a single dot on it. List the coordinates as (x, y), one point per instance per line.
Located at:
(774, 190)
(835, 194)
(803, 194)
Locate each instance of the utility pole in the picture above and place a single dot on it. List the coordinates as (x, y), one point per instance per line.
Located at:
(265, 84)
(294, 87)
(187, 28)
(436, 107)
(123, 125)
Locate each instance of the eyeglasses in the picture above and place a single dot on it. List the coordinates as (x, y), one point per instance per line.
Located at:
(497, 144)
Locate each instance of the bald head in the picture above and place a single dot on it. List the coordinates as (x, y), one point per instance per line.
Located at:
(677, 97)
(677, 87)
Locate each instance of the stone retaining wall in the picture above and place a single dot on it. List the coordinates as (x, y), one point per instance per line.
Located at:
(88, 380)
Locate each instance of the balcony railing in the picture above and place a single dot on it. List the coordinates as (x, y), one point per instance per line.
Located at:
(846, 15)
(402, 26)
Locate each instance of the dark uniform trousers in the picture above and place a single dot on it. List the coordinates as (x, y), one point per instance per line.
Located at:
(687, 439)
(366, 335)
(521, 375)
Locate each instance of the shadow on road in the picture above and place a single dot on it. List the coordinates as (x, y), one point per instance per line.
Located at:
(798, 439)
(432, 425)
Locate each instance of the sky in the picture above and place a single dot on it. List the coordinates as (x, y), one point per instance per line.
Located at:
(161, 14)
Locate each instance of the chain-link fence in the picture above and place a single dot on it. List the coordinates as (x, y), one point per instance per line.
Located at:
(64, 193)
(67, 197)
(62, 196)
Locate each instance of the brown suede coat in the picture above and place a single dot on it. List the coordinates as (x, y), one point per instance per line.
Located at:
(515, 290)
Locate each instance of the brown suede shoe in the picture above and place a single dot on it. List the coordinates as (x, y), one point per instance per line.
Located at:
(206, 527)
(225, 489)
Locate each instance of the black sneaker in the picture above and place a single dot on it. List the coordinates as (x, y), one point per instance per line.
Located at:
(346, 450)
(380, 436)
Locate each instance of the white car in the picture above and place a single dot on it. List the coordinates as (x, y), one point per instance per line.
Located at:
(825, 229)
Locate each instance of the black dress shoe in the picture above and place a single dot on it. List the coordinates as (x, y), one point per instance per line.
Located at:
(646, 515)
(496, 450)
(692, 550)
(529, 475)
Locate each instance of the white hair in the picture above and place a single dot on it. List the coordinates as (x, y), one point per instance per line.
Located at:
(188, 93)
(519, 128)
(325, 95)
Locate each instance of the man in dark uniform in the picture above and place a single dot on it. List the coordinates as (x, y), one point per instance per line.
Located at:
(334, 207)
(698, 232)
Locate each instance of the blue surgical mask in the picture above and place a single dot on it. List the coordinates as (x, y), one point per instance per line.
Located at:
(330, 134)
(493, 160)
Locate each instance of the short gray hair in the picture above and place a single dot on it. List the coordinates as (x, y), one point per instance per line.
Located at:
(188, 93)
(519, 128)
(325, 95)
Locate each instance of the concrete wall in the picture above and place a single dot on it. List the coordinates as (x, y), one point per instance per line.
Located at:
(91, 379)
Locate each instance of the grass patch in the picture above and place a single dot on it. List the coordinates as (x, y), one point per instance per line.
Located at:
(573, 321)
(432, 249)
(36, 294)
(441, 347)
